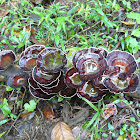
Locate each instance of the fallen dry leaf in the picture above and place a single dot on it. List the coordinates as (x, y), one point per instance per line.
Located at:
(48, 112)
(4, 8)
(36, 41)
(62, 131)
(46, 109)
(25, 115)
(129, 23)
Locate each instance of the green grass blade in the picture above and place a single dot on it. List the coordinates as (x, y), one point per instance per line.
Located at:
(90, 103)
(2, 133)
(93, 127)
(91, 121)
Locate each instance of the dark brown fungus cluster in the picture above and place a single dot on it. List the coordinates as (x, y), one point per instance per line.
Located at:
(15, 76)
(89, 64)
(120, 76)
(96, 71)
(46, 64)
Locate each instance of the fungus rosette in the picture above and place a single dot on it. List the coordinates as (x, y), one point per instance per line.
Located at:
(7, 57)
(119, 76)
(90, 63)
(29, 57)
(123, 59)
(90, 92)
(18, 80)
(51, 60)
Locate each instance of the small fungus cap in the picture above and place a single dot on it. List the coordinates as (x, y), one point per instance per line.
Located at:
(110, 109)
(121, 83)
(29, 57)
(72, 78)
(45, 79)
(123, 59)
(17, 81)
(89, 91)
(7, 57)
(91, 66)
(51, 60)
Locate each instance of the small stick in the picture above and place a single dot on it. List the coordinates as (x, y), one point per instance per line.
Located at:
(13, 124)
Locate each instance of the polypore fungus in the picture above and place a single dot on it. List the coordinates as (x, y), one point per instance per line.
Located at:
(119, 76)
(123, 59)
(7, 57)
(122, 83)
(45, 78)
(51, 60)
(29, 57)
(17, 80)
(73, 79)
(91, 93)
(90, 63)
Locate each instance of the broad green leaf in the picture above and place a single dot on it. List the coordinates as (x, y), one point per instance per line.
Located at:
(134, 16)
(31, 106)
(59, 27)
(4, 121)
(110, 127)
(131, 129)
(60, 20)
(63, 47)
(13, 115)
(60, 98)
(64, 27)
(8, 88)
(104, 135)
(72, 10)
(20, 45)
(121, 132)
(138, 60)
(138, 125)
(14, 39)
(132, 119)
(136, 32)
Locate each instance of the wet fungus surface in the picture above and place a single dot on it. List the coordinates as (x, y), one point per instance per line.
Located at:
(120, 76)
(7, 57)
(94, 74)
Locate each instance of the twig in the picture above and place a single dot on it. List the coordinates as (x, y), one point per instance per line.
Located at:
(11, 94)
(117, 46)
(23, 97)
(13, 124)
(27, 134)
(137, 117)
